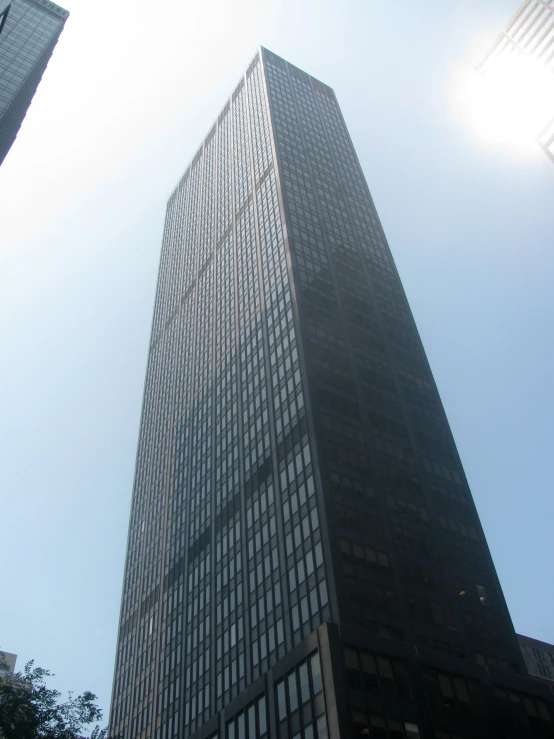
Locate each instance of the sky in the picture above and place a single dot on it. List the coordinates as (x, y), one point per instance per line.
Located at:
(129, 94)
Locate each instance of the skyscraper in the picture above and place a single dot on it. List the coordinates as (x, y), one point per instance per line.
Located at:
(304, 555)
(521, 64)
(29, 32)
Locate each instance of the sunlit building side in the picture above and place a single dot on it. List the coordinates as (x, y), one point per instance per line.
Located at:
(522, 61)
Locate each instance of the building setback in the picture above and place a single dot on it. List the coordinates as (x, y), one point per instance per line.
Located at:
(29, 31)
(304, 556)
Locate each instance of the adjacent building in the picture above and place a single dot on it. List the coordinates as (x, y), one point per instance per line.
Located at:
(538, 656)
(4, 10)
(304, 556)
(7, 663)
(524, 48)
(29, 31)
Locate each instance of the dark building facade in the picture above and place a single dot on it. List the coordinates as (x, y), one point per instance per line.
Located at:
(29, 31)
(304, 556)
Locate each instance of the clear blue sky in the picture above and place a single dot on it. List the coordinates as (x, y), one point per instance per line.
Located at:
(129, 94)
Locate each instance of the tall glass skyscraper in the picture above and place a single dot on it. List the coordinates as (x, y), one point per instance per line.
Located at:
(304, 557)
(29, 31)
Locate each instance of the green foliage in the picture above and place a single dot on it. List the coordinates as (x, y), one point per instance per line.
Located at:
(31, 710)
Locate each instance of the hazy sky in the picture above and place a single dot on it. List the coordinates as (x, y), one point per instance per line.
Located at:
(129, 94)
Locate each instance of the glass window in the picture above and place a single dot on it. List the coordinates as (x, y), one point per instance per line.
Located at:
(460, 687)
(324, 598)
(304, 682)
(352, 668)
(402, 680)
(359, 724)
(446, 687)
(385, 675)
(529, 706)
(304, 610)
(252, 729)
(395, 729)
(318, 554)
(309, 563)
(482, 594)
(262, 717)
(378, 728)
(322, 732)
(315, 668)
(293, 692)
(241, 728)
(369, 669)
(281, 700)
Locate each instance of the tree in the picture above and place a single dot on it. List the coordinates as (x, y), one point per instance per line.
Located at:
(31, 710)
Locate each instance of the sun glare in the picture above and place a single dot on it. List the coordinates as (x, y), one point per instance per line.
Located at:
(511, 103)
